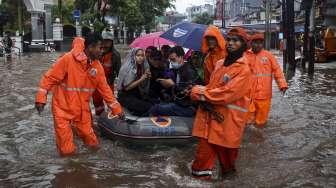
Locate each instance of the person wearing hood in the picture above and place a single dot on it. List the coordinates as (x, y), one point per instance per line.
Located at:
(213, 45)
(264, 67)
(111, 62)
(221, 117)
(73, 79)
(133, 83)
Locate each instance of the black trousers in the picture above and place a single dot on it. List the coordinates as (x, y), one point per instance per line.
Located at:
(134, 103)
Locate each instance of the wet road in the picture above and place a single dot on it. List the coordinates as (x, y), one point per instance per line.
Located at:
(297, 149)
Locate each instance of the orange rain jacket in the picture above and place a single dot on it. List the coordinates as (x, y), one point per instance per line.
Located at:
(214, 56)
(228, 91)
(73, 80)
(264, 66)
(106, 61)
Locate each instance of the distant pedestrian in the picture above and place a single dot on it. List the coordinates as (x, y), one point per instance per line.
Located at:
(8, 44)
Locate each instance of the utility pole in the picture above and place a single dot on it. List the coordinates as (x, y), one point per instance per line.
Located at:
(312, 40)
(290, 42)
(305, 37)
(267, 24)
(223, 13)
(60, 10)
(285, 34)
(20, 17)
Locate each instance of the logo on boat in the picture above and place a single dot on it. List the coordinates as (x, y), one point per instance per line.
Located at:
(179, 32)
(161, 121)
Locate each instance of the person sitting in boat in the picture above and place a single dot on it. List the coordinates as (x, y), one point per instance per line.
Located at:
(165, 54)
(186, 75)
(157, 69)
(133, 83)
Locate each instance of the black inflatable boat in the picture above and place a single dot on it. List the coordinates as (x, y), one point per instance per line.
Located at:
(161, 129)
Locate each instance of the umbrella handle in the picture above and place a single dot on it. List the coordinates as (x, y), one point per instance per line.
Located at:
(157, 43)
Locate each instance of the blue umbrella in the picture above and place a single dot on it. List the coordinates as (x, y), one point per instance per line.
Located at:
(186, 34)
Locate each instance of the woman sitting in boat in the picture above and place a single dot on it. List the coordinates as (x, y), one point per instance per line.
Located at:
(133, 83)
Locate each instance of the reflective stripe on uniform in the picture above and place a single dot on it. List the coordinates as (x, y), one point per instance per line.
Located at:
(201, 172)
(43, 90)
(236, 107)
(90, 90)
(263, 75)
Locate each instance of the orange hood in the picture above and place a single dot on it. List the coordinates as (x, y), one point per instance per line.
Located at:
(213, 31)
(78, 48)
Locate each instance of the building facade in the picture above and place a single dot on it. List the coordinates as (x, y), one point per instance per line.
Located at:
(193, 11)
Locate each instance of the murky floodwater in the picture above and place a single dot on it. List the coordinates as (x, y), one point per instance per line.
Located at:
(297, 149)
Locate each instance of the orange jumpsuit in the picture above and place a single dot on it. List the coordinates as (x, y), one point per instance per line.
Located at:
(97, 98)
(228, 91)
(216, 54)
(72, 81)
(264, 67)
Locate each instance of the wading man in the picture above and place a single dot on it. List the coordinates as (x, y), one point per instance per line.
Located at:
(72, 80)
(264, 67)
(220, 120)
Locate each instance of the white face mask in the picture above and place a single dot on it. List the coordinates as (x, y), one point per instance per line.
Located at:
(175, 64)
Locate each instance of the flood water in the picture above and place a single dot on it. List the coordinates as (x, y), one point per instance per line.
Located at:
(296, 149)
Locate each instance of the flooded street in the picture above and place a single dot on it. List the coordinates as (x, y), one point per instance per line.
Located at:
(296, 149)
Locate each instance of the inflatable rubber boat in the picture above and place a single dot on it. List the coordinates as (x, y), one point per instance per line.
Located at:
(157, 129)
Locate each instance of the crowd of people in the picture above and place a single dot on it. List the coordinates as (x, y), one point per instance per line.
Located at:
(224, 86)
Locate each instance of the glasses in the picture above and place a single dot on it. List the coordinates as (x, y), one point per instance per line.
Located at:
(233, 39)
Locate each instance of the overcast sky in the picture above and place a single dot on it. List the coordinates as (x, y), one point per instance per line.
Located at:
(181, 5)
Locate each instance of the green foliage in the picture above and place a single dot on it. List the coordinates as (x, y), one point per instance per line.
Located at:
(66, 12)
(8, 15)
(204, 18)
(152, 8)
(131, 14)
(135, 13)
(90, 14)
(5, 15)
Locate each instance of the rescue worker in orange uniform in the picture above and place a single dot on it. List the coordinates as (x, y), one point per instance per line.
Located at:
(264, 67)
(220, 127)
(213, 45)
(73, 79)
(111, 62)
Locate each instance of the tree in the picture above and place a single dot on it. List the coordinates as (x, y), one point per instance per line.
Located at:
(152, 8)
(204, 18)
(4, 18)
(137, 14)
(9, 19)
(64, 11)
